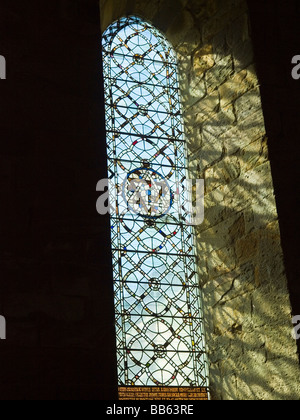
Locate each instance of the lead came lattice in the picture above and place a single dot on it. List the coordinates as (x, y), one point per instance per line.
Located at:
(159, 320)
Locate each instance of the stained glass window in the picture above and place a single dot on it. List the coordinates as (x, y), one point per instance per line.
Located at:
(159, 321)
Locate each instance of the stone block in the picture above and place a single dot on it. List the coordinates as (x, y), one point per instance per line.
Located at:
(230, 317)
(243, 281)
(231, 285)
(229, 387)
(220, 46)
(194, 169)
(264, 381)
(255, 154)
(203, 60)
(184, 69)
(247, 248)
(243, 55)
(222, 173)
(197, 90)
(270, 306)
(221, 261)
(244, 133)
(212, 150)
(279, 341)
(237, 85)
(189, 41)
(249, 190)
(236, 195)
(259, 180)
(203, 110)
(253, 384)
(215, 212)
(223, 234)
(284, 379)
(219, 73)
(252, 127)
(271, 270)
(249, 220)
(215, 382)
(264, 210)
(270, 241)
(194, 143)
(248, 104)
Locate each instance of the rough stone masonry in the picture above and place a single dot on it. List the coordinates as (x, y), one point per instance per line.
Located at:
(246, 302)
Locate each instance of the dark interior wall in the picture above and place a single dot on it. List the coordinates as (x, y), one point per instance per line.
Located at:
(276, 34)
(56, 277)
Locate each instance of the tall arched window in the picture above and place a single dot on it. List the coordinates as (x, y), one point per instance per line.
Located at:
(159, 322)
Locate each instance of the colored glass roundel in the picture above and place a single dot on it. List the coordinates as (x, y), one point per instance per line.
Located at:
(159, 322)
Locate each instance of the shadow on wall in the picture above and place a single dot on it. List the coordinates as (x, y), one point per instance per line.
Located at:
(246, 302)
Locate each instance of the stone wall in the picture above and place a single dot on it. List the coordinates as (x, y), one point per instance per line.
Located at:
(246, 301)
